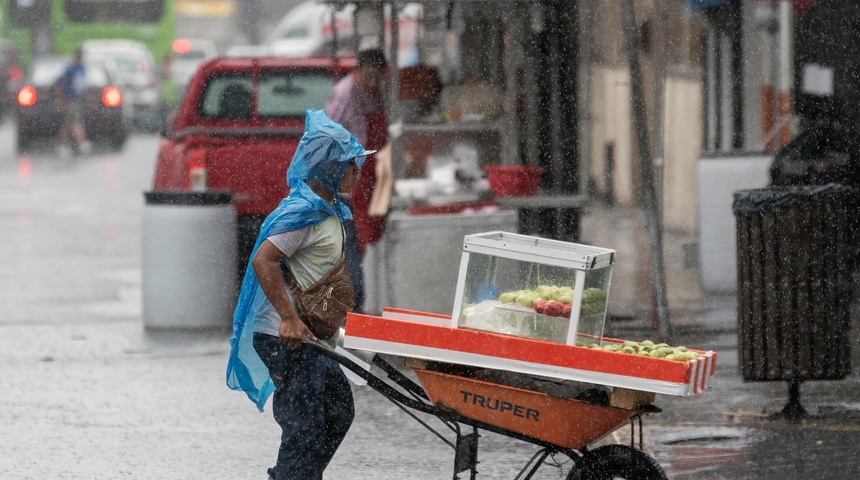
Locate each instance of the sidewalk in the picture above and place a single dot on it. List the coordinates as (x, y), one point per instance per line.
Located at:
(630, 306)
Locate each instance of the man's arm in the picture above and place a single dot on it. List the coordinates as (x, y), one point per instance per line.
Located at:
(265, 265)
(380, 199)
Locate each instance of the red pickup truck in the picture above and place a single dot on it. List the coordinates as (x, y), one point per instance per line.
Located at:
(236, 129)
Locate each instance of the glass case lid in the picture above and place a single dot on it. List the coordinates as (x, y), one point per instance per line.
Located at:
(540, 250)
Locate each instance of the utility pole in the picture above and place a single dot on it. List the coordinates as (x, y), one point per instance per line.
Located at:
(662, 67)
(652, 205)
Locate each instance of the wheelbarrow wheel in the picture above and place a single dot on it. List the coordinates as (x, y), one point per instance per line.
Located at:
(618, 462)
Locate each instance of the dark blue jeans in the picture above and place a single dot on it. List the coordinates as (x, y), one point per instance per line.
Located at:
(353, 264)
(312, 403)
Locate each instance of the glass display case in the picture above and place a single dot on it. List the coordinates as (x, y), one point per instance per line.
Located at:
(533, 287)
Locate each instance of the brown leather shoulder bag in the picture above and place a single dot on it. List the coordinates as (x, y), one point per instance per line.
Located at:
(324, 305)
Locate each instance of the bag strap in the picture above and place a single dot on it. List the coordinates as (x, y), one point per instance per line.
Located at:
(292, 284)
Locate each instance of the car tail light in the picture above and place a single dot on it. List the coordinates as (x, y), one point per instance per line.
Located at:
(182, 45)
(196, 161)
(27, 96)
(111, 97)
(16, 74)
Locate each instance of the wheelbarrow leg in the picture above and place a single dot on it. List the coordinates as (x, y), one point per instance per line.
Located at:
(466, 454)
(538, 459)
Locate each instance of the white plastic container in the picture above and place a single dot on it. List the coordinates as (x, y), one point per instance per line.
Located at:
(188, 260)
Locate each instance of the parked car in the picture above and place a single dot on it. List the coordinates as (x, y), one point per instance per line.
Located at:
(11, 76)
(138, 74)
(309, 29)
(236, 130)
(40, 116)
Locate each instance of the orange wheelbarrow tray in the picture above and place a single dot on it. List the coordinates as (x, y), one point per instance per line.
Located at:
(564, 422)
(428, 336)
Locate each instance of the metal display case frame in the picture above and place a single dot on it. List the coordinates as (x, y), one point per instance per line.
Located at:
(525, 248)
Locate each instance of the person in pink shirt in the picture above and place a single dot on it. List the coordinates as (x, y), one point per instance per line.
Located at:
(357, 103)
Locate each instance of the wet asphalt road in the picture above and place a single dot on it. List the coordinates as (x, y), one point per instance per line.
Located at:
(88, 393)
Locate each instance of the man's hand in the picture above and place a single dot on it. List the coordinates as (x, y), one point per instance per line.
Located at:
(291, 332)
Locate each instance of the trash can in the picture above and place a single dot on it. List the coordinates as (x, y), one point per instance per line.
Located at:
(794, 272)
(188, 260)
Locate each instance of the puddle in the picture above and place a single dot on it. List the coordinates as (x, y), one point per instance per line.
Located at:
(695, 451)
(706, 436)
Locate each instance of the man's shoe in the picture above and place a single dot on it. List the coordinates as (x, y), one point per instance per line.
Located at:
(271, 473)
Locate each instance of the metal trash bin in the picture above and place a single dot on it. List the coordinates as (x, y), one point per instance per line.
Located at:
(794, 274)
(188, 260)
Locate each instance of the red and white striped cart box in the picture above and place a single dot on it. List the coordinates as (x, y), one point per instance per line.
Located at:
(429, 336)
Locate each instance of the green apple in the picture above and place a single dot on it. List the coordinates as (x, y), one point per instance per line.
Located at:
(508, 297)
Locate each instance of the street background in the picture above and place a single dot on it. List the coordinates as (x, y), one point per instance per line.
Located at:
(88, 393)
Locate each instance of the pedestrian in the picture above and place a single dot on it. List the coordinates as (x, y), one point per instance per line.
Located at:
(356, 102)
(71, 90)
(312, 399)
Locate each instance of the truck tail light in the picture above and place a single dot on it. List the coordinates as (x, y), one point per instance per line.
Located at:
(197, 176)
(27, 96)
(111, 97)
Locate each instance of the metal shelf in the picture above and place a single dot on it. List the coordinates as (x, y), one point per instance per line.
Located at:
(544, 201)
(462, 126)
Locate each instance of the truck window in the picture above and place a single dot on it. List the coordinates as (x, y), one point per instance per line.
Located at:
(288, 94)
(227, 97)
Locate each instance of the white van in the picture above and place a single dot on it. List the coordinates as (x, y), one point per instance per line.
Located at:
(306, 31)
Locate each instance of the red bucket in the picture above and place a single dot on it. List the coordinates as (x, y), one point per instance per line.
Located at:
(513, 180)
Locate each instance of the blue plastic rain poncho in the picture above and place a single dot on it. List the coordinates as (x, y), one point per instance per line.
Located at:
(323, 153)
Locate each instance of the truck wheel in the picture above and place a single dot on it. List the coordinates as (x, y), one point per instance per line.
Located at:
(619, 462)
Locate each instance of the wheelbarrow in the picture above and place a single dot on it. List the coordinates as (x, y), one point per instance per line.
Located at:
(465, 405)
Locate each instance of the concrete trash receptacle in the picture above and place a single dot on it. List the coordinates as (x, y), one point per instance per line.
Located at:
(188, 260)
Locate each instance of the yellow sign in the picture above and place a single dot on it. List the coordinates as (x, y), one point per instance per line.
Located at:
(205, 8)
